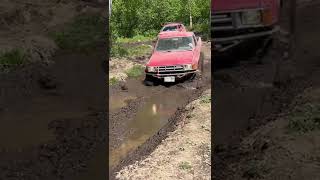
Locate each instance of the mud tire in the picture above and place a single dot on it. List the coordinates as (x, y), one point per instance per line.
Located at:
(148, 81)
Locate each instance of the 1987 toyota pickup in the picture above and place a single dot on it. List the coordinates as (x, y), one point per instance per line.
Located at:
(235, 21)
(175, 55)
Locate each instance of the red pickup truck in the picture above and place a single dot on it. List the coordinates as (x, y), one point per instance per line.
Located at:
(175, 55)
(235, 21)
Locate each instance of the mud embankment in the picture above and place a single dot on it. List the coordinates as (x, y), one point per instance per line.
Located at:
(185, 153)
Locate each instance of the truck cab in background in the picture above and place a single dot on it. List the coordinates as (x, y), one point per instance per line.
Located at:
(235, 21)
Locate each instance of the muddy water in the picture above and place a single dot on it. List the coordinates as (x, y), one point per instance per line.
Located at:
(32, 121)
(24, 120)
(149, 119)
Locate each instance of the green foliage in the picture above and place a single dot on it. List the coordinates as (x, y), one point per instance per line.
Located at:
(140, 50)
(82, 34)
(145, 17)
(137, 38)
(12, 58)
(113, 81)
(205, 99)
(305, 118)
(135, 71)
(124, 50)
(118, 50)
(185, 165)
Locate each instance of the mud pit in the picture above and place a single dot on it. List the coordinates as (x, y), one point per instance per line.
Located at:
(139, 112)
(52, 125)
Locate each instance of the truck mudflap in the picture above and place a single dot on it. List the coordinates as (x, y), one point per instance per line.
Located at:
(225, 43)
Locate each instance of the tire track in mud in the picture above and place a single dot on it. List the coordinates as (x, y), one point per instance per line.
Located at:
(161, 108)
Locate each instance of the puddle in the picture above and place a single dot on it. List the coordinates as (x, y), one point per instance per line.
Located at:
(118, 101)
(150, 118)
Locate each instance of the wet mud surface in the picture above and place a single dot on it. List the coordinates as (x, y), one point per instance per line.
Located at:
(248, 95)
(53, 119)
(141, 116)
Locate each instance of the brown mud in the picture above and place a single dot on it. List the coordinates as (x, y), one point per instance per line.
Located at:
(136, 128)
(53, 120)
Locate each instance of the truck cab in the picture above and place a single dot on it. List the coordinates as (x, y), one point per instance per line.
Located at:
(235, 21)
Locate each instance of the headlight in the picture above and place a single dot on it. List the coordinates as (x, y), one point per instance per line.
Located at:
(187, 67)
(252, 17)
(151, 69)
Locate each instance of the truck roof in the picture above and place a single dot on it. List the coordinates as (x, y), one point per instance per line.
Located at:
(170, 34)
(172, 24)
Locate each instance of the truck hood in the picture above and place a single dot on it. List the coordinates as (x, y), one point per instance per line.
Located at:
(225, 5)
(170, 58)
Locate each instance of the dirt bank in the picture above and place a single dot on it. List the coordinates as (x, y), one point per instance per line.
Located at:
(258, 93)
(185, 153)
(287, 148)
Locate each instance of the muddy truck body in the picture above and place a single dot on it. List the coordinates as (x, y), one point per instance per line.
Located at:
(236, 21)
(176, 55)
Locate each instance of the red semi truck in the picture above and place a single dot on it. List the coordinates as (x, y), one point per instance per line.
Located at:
(236, 21)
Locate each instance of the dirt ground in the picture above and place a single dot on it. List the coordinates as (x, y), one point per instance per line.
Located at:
(256, 145)
(141, 116)
(280, 149)
(185, 153)
(52, 124)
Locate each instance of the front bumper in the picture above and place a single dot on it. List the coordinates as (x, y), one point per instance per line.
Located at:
(177, 75)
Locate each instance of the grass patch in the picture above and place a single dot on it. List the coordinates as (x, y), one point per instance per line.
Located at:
(138, 38)
(135, 71)
(205, 99)
(82, 34)
(185, 165)
(139, 50)
(113, 81)
(12, 59)
(121, 50)
(305, 118)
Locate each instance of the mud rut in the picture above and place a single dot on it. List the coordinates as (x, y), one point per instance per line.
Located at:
(141, 116)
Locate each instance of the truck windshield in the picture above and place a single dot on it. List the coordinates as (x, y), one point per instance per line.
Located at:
(170, 28)
(175, 44)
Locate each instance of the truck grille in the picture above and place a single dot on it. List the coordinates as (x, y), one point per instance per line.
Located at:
(176, 68)
(222, 21)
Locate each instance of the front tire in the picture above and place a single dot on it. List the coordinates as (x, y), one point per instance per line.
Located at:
(148, 81)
